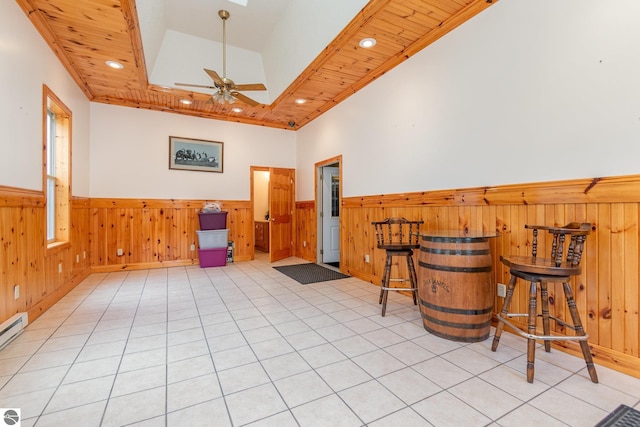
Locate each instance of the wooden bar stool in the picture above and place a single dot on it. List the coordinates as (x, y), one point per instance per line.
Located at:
(567, 243)
(399, 237)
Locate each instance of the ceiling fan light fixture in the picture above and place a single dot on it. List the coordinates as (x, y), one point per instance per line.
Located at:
(367, 42)
(226, 90)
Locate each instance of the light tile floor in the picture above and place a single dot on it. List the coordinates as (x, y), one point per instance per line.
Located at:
(246, 345)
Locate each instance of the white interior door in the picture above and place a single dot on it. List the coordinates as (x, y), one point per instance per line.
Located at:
(330, 214)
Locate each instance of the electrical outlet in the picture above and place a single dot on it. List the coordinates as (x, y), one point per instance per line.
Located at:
(84, 254)
(16, 291)
(304, 244)
(502, 290)
(193, 247)
(119, 252)
(77, 258)
(366, 258)
(59, 267)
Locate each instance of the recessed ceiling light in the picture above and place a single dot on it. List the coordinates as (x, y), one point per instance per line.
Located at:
(300, 101)
(114, 64)
(186, 101)
(236, 109)
(368, 42)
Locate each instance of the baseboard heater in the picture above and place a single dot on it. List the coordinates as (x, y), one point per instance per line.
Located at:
(11, 328)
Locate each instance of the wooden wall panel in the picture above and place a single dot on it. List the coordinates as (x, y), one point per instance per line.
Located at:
(25, 259)
(607, 292)
(158, 233)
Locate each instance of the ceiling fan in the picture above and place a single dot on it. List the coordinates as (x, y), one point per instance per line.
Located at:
(226, 89)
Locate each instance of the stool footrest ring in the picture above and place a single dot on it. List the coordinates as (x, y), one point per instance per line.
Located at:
(384, 288)
(524, 334)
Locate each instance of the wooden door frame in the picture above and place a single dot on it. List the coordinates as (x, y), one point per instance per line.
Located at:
(328, 162)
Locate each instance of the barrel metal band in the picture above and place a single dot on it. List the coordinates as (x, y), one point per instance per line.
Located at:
(484, 269)
(456, 337)
(454, 239)
(451, 310)
(456, 325)
(439, 251)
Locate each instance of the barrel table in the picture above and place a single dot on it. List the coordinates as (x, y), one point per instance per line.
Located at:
(455, 284)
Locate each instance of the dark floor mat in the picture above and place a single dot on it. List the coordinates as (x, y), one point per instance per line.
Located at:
(623, 416)
(310, 273)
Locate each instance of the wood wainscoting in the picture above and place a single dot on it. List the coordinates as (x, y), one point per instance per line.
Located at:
(159, 232)
(43, 275)
(607, 292)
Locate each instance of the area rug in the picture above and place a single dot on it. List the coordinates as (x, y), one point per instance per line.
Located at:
(310, 273)
(622, 416)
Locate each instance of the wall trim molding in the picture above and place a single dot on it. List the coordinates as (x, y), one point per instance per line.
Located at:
(20, 197)
(164, 203)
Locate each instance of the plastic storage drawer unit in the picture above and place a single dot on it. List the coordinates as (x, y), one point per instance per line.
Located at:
(213, 220)
(213, 239)
(213, 257)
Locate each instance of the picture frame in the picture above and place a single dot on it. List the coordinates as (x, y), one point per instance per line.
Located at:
(195, 154)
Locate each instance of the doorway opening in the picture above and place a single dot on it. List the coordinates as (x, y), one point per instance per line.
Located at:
(261, 210)
(328, 201)
(274, 223)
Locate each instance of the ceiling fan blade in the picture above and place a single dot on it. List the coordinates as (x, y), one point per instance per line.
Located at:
(244, 98)
(214, 76)
(190, 85)
(253, 86)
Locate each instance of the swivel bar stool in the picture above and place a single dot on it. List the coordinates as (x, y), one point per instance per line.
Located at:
(567, 243)
(399, 237)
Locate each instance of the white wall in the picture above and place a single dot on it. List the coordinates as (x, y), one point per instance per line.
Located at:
(305, 29)
(508, 97)
(26, 64)
(130, 155)
(527, 91)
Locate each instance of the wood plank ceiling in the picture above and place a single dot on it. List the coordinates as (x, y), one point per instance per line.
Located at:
(86, 33)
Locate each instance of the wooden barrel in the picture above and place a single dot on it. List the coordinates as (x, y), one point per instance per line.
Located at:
(455, 286)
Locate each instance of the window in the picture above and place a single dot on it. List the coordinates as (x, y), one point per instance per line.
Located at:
(57, 167)
(335, 196)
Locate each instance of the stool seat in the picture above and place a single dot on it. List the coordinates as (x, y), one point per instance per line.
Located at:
(567, 243)
(398, 237)
(540, 266)
(398, 247)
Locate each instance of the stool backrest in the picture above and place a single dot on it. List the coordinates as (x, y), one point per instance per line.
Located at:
(397, 231)
(563, 249)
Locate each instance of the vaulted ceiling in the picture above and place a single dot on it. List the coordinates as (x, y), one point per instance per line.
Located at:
(86, 33)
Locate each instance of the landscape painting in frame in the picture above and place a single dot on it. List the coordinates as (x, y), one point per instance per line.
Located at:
(195, 154)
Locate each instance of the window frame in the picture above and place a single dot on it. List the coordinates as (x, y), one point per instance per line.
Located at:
(57, 121)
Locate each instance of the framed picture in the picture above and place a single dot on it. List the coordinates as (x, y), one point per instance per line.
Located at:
(195, 154)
